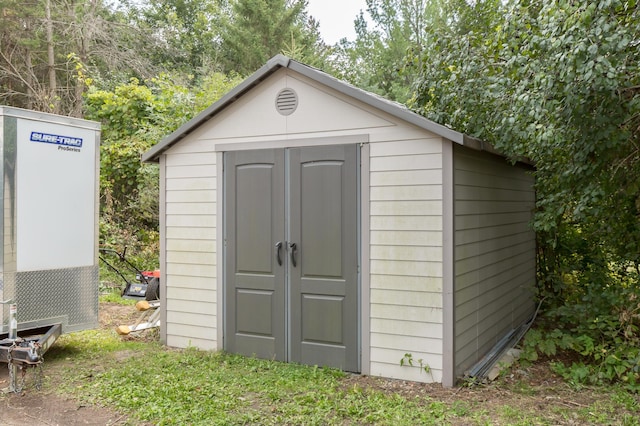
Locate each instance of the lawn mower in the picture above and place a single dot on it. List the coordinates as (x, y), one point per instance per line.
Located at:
(147, 283)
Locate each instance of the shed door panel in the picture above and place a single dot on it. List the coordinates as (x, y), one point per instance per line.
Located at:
(323, 284)
(255, 288)
(300, 306)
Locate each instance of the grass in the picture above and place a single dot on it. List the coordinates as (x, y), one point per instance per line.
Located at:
(197, 387)
(163, 386)
(114, 296)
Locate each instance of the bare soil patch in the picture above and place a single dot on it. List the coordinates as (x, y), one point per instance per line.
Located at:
(44, 408)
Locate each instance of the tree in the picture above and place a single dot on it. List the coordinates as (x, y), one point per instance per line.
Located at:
(134, 117)
(256, 30)
(20, 79)
(559, 82)
(555, 82)
(185, 33)
(386, 57)
(48, 49)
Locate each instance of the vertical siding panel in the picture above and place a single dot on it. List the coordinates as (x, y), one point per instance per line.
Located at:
(365, 264)
(494, 252)
(406, 257)
(163, 246)
(190, 248)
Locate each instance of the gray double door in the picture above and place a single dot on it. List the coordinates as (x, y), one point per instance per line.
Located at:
(291, 281)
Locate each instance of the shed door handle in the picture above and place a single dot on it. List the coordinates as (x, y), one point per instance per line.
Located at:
(278, 248)
(293, 247)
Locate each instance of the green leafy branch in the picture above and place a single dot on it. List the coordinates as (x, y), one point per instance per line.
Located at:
(407, 359)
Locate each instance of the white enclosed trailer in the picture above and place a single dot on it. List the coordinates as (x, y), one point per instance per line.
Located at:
(49, 253)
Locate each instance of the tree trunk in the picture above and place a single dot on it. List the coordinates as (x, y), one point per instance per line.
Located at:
(54, 100)
(29, 74)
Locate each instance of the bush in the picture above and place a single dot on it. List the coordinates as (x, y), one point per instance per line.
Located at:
(599, 334)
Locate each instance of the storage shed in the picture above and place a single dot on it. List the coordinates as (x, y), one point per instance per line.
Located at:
(305, 220)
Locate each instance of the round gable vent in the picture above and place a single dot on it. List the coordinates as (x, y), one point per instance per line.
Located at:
(286, 101)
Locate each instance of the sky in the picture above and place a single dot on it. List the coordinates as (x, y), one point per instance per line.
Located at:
(336, 17)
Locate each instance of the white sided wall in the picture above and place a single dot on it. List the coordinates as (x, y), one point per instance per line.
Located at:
(189, 227)
(406, 257)
(402, 296)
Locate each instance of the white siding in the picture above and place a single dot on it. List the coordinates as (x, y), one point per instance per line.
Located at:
(406, 257)
(494, 252)
(190, 232)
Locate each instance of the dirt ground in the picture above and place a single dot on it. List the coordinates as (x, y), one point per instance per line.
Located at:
(543, 392)
(43, 408)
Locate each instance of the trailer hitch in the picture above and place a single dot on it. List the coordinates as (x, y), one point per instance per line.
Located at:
(26, 350)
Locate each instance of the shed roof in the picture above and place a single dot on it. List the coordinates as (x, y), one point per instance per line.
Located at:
(280, 61)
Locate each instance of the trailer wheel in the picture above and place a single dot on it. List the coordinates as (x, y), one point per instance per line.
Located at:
(153, 289)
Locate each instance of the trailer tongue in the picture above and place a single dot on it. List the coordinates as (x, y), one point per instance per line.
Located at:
(29, 346)
(25, 348)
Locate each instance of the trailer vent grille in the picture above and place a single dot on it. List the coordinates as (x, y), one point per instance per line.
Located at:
(286, 101)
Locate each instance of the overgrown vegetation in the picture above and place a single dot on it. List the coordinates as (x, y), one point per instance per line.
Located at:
(174, 387)
(134, 117)
(600, 334)
(558, 82)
